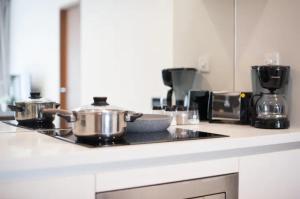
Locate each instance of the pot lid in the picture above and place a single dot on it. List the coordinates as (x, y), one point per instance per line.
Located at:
(35, 97)
(99, 105)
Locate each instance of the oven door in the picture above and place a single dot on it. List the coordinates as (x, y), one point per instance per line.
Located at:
(218, 187)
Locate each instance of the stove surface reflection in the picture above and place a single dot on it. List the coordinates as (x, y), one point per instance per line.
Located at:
(60, 131)
(132, 138)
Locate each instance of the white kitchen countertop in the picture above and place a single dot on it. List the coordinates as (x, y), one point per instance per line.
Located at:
(28, 152)
(5, 128)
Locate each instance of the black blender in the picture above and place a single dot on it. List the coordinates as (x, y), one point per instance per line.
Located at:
(269, 108)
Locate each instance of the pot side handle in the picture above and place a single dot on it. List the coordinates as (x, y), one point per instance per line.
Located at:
(65, 114)
(15, 108)
(132, 117)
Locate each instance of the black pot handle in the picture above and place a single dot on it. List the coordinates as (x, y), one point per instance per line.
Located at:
(65, 114)
(68, 118)
(15, 108)
(132, 117)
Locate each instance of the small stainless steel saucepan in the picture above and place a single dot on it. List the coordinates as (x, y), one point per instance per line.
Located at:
(97, 120)
(30, 111)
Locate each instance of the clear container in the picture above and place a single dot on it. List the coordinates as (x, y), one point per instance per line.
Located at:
(272, 106)
(182, 117)
(193, 114)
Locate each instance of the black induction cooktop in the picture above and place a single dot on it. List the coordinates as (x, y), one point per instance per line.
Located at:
(129, 138)
(57, 124)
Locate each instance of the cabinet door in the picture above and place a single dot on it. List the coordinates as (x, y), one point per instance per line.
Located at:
(75, 187)
(270, 176)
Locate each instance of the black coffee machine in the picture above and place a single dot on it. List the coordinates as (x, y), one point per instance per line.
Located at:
(269, 108)
(181, 81)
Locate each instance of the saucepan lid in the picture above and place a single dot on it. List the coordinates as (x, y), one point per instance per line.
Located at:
(35, 98)
(99, 105)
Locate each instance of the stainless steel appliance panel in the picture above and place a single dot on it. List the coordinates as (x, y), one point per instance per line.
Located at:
(230, 107)
(221, 187)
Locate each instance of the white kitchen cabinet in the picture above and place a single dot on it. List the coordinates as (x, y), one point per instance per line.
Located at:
(270, 176)
(75, 187)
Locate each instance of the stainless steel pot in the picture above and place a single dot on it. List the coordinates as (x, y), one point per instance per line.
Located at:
(30, 111)
(98, 119)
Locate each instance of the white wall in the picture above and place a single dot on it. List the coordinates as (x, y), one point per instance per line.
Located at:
(34, 45)
(265, 26)
(205, 28)
(125, 44)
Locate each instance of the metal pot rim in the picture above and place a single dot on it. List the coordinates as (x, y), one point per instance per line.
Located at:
(34, 102)
(97, 111)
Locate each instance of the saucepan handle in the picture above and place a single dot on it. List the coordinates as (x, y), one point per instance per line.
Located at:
(15, 108)
(57, 105)
(65, 114)
(131, 117)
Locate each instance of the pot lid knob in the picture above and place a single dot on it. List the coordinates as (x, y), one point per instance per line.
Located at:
(35, 95)
(100, 101)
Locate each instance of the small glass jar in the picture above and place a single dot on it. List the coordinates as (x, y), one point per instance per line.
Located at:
(193, 114)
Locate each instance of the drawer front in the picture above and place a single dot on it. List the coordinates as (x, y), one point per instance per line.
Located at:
(218, 187)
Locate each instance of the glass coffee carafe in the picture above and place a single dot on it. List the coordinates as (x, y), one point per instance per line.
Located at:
(272, 106)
